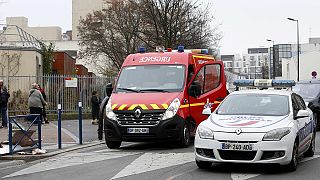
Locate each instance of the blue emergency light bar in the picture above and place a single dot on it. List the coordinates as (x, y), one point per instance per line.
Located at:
(180, 48)
(263, 83)
(141, 50)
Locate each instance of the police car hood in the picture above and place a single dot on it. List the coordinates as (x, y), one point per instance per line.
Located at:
(146, 101)
(247, 123)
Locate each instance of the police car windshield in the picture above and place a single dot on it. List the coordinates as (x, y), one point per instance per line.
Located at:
(151, 78)
(255, 104)
(307, 90)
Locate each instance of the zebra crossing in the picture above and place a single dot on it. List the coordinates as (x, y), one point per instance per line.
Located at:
(143, 161)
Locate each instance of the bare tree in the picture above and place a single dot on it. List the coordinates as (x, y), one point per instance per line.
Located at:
(109, 32)
(174, 22)
(123, 26)
(10, 61)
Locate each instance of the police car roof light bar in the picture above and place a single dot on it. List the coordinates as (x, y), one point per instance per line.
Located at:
(283, 83)
(243, 82)
(263, 83)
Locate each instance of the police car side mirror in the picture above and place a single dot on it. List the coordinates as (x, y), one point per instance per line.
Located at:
(302, 114)
(206, 111)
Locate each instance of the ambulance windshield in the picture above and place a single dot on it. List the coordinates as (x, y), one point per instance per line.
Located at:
(151, 78)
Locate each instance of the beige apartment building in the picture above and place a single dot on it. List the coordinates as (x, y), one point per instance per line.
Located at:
(80, 8)
(22, 65)
(46, 33)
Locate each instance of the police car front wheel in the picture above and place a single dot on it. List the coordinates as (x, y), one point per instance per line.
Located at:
(292, 166)
(310, 151)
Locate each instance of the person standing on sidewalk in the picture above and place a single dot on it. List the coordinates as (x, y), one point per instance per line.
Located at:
(44, 114)
(95, 105)
(36, 101)
(4, 97)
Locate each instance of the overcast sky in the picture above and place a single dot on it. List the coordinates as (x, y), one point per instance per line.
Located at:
(244, 23)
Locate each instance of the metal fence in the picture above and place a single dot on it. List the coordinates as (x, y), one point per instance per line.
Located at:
(56, 91)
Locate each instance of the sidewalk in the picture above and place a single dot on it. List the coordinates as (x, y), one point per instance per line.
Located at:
(70, 141)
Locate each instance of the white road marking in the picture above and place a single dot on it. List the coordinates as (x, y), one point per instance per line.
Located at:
(153, 161)
(115, 150)
(310, 158)
(238, 176)
(70, 160)
(75, 138)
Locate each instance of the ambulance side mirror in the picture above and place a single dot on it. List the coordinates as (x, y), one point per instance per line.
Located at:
(206, 111)
(194, 89)
(109, 89)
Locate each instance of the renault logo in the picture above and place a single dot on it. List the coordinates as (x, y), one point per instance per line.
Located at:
(238, 131)
(137, 113)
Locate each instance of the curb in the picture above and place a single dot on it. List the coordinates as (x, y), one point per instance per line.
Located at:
(29, 158)
(11, 163)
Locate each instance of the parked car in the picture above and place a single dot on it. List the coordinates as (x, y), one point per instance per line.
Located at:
(309, 90)
(257, 126)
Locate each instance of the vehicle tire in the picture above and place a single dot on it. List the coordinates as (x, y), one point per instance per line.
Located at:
(310, 151)
(203, 164)
(185, 137)
(292, 166)
(317, 119)
(113, 144)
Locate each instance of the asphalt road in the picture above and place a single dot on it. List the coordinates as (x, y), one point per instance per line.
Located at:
(89, 131)
(145, 161)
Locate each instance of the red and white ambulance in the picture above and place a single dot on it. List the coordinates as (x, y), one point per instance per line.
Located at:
(160, 96)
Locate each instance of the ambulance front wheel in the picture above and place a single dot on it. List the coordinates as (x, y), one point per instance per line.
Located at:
(113, 144)
(185, 137)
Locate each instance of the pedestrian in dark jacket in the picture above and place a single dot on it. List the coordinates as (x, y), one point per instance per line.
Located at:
(44, 114)
(36, 101)
(95, 104)
(4, 98)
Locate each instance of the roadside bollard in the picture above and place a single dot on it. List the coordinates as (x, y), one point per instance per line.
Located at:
(80, 122)
(39, 131)
(10, 136)
(59, 126)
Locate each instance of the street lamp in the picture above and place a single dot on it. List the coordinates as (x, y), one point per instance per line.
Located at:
(248, 70)
(273, 57)
(298, 57)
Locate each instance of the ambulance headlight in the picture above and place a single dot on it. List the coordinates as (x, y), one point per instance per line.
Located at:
(109, 113)
(172, 109)
(276, 134)
(205, 133)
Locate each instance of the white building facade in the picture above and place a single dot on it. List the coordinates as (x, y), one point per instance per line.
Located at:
(309, 61)
(80, 9)
(256, 63)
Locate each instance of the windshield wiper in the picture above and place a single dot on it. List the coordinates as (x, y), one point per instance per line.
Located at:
(131, 90)
(154, 90)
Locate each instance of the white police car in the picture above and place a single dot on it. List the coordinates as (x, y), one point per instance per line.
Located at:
(257, 126)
